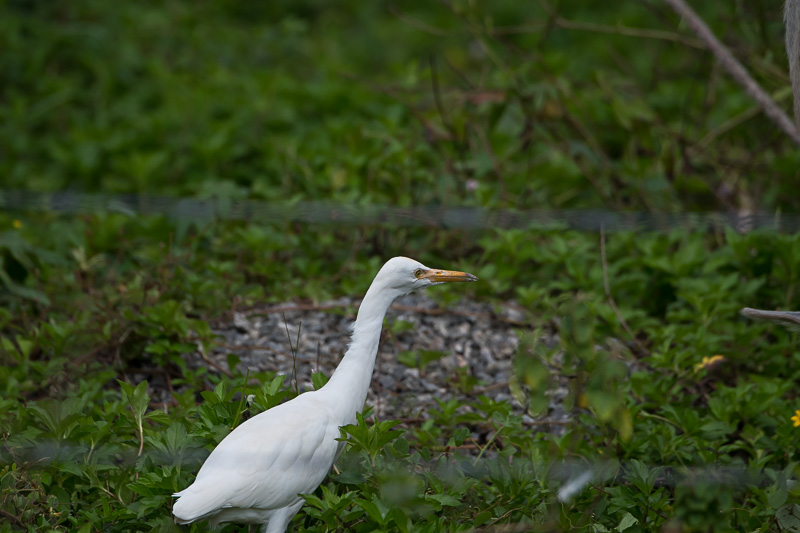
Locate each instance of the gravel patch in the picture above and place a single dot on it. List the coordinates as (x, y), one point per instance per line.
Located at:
(468, 340)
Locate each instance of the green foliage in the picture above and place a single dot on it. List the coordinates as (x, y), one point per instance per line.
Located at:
(18, 260)
(477, 103)
(499, 105)
(675, 440)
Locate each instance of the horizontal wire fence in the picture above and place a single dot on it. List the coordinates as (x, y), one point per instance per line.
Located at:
(466, 218)
(571, 477)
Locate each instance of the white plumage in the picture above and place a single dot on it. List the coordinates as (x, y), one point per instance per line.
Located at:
(255, 475)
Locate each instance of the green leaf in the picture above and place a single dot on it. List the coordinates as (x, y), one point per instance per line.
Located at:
(401, 446)
(401, 326)
(408, 358)
(788, 518)
(444, 500)
(628, 520)
(481, 518)
(428, 356)
(780, 492)
(318, 379)
(375, 508)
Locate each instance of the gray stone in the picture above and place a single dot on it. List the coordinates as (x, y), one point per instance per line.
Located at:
(480, 339)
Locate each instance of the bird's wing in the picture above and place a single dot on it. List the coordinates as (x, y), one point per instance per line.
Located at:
(266, 462)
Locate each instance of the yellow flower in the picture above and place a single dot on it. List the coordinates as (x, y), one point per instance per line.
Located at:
(582, 402)
(17, 223)
(709, 362)
(796, 418)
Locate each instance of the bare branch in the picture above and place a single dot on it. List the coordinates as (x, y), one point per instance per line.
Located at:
(790, 319)
(792, 18)
(735, 69)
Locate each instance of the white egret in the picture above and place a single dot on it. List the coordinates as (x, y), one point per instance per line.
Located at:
(256, 474)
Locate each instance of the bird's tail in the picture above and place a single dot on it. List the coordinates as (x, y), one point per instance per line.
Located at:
(193, 506)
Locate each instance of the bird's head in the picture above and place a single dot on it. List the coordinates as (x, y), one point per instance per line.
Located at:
(407, 275)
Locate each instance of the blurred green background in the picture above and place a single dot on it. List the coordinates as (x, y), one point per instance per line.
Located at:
(570, 104)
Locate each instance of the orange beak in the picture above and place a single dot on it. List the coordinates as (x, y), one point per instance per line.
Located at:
(442, 276)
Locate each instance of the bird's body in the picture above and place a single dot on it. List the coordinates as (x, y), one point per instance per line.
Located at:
(256, 474)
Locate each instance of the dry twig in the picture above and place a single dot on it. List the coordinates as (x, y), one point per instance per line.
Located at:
(735, 69)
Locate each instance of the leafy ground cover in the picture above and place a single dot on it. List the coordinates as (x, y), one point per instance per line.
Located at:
(495, 105)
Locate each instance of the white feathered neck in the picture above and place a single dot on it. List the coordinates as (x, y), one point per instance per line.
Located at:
(351, 379)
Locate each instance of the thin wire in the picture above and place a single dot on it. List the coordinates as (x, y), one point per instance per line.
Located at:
(464, 218)
(573, 476)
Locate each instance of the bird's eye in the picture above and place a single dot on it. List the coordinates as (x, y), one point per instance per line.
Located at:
(418, 273)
